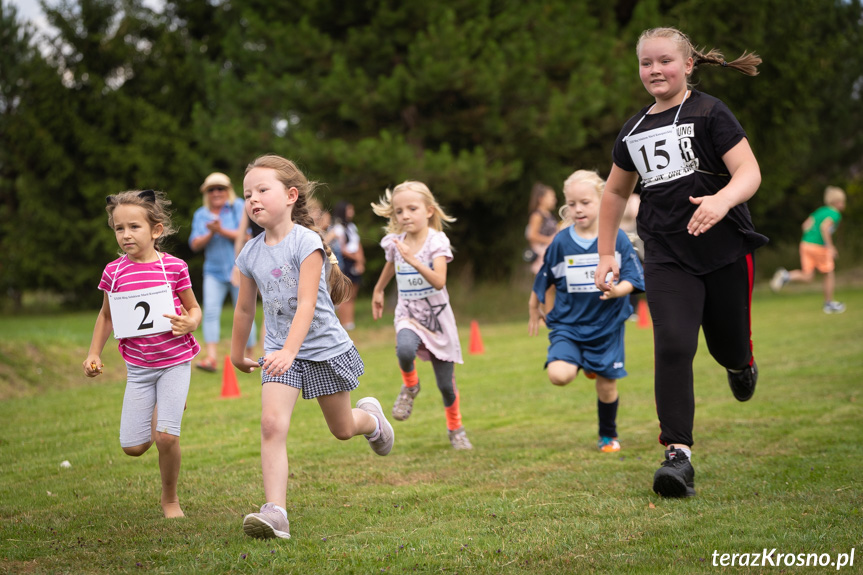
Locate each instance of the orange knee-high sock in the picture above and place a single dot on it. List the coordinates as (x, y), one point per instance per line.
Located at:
(453, 414)
(410, 378)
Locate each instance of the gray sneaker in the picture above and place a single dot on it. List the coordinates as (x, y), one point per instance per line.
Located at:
(404, 404)
(267, 524)
(834, 307)
(779, 279)
(384, 443)
(458, 438)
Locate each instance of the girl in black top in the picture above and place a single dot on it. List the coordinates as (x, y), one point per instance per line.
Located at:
(697, 171)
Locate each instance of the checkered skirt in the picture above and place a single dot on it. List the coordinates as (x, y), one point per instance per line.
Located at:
(317, 378)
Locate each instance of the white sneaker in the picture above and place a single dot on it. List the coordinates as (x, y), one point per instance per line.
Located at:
(267, 524)
(779, 279)
(834, 307)
(384, 443)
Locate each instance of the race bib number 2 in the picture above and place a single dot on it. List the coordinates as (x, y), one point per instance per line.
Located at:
(139, 313)
(581, 270)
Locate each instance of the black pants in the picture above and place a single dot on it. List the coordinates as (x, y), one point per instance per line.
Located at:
(719, 302)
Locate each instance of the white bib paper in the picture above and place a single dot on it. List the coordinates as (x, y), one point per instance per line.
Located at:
(411, 284)
(659, 154)
(580, 271)
(140, 312)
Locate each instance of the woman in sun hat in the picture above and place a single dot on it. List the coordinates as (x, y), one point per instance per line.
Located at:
(215, 226)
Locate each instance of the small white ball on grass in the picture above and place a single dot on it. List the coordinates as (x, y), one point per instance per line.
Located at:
(65, 464)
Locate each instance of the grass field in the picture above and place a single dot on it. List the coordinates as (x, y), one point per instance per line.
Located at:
(782, 471)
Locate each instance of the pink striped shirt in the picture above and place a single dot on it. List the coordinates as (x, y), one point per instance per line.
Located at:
(163, 349)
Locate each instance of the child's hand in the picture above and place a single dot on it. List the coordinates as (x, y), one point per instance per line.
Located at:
(613, 292)
(245, 364)
(377, 304)
(405, 251)
(711, 209)
(277, 363)
(537, 314)
(181, 324)
(93, 366)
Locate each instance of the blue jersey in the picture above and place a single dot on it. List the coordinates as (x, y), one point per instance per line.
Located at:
(577, 310)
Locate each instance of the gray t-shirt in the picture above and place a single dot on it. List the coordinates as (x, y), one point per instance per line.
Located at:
(276, 270)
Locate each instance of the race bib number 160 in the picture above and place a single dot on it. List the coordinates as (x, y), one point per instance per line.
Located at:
(411, 284)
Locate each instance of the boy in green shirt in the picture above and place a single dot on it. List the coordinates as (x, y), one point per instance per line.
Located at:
(817, 250)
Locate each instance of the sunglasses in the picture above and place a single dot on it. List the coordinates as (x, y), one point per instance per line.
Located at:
(217, 189)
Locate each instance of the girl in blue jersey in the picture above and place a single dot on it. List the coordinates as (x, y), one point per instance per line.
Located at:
(586, 324)
(697, 171)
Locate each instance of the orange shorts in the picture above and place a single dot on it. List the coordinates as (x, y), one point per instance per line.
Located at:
(815, 257)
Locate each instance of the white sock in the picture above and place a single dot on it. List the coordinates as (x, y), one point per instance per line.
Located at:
(735, 370)
(687, 451)
(377, 432)
(284, 511)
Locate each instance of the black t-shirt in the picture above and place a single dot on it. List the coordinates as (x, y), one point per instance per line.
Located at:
(671, 171)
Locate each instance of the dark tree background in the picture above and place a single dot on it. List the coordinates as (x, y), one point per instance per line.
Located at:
(477, 98)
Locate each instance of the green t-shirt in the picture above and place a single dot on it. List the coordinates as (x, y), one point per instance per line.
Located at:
(813, 234)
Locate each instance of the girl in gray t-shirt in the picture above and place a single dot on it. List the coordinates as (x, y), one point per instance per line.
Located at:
(305, 348)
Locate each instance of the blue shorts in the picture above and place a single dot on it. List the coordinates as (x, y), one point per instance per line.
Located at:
(603, 356)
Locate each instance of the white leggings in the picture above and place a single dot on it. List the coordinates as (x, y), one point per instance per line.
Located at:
(147, 387)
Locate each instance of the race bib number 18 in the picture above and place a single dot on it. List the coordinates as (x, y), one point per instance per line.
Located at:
(580, 271)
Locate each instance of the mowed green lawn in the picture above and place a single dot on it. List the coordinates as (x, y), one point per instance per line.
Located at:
(782, 471)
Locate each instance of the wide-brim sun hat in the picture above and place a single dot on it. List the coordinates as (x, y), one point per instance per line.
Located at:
(216, 179)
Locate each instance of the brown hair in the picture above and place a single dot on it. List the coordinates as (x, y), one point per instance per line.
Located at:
(747, 63)
(537, 192)
(291, 177)
(155, 205)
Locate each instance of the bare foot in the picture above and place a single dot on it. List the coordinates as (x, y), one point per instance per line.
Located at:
(172, 509)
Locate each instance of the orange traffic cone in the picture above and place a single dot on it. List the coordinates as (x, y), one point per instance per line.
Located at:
(476, 346)
(643, 314)
(230, 388)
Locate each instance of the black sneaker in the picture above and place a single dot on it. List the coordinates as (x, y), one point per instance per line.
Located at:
(675, 478)
(743, 382)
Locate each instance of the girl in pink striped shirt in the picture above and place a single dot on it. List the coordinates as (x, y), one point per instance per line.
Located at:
(150, 306)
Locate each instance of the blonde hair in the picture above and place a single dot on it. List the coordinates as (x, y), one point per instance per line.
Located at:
(232, 196)
(833, 194)
(155, 205)
(384, 207)
(747, 63)
(291, 177)
(588, 177)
